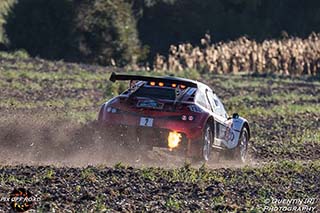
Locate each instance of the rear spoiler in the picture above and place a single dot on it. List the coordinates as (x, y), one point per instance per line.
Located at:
(119, 77)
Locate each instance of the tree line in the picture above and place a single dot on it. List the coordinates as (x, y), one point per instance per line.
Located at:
(121, 32)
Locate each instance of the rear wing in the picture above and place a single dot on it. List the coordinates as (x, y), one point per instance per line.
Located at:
(170, 80)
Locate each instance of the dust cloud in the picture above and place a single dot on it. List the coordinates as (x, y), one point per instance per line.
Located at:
(43, 140)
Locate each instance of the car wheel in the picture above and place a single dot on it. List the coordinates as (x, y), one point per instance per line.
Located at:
(207, 142)
(242, 148)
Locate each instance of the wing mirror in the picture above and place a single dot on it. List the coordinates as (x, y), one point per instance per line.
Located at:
(235, 115)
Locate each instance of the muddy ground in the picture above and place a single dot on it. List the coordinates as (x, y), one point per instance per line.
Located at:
(50, 145)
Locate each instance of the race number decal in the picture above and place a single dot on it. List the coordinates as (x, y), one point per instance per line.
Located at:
(146, 121)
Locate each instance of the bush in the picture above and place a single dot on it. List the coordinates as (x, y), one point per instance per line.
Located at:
(106, 32)
(41, 27)
(99, 31)
(19, 54)
(4, 8)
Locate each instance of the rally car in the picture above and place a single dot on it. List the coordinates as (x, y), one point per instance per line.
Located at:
(181, 115)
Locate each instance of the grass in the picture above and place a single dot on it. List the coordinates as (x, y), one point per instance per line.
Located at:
(283, 114)
(278, 110)
(173, 203)
(49, 174)
(88, 175)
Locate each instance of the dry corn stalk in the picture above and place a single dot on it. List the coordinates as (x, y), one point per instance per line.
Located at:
(294, 56)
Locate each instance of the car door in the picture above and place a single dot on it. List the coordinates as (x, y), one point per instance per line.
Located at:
(220, 119)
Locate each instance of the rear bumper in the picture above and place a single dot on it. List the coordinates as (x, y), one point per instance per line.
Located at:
(145, 137)
(192, 130)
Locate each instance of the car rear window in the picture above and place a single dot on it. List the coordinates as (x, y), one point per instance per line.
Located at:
(156, 92)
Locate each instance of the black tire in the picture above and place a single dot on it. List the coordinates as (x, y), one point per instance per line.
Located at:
(241, 151)
(207, 141)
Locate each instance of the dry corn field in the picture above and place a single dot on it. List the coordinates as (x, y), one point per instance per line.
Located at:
(289, 56)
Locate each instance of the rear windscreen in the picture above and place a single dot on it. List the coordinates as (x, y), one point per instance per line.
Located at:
(156, 92)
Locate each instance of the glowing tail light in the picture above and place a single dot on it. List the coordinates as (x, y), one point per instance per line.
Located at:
(174, 139)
